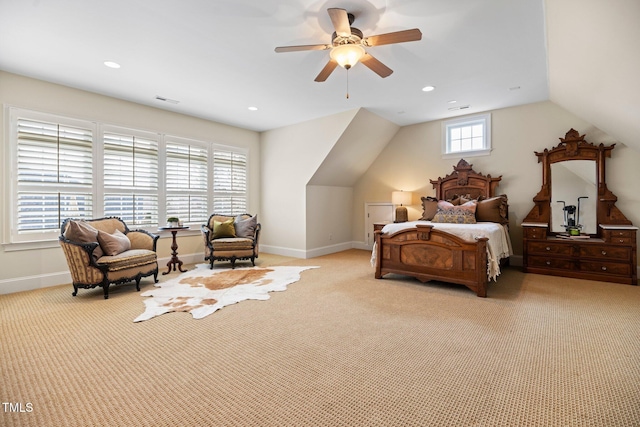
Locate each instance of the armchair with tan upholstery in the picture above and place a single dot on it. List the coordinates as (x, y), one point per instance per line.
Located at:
(101, 252)
(231, 238)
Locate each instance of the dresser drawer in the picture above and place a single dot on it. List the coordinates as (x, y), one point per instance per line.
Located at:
(549, 262)
(605, 252)
(549, 248)
(606, 267)
(535, 233)
(619, 237)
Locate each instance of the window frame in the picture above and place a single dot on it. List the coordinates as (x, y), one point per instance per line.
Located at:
(462, 122)
(11, 240)
(11, 233)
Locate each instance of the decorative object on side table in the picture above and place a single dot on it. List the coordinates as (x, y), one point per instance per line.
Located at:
(174, 247)
(401, 198)
(173, 222)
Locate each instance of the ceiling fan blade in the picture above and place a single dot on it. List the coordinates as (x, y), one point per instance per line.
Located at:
(390, 38)
(340, 21)
(303, 47)
(326, 71)
(376, 66)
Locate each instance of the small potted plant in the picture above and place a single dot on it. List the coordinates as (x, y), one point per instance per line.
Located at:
(173, 221)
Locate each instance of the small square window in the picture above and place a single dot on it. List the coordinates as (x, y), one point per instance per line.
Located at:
(468, 136)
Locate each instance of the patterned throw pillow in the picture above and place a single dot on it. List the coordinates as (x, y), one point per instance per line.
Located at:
(462, 214)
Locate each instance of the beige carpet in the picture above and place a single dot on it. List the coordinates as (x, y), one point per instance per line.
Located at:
(339, 348)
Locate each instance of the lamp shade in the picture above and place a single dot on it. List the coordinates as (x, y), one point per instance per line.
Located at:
(347, 55)
(401, 197)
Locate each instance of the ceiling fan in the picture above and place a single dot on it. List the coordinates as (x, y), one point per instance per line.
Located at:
(348, 43)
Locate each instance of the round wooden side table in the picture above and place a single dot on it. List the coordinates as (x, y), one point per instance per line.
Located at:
(174, 249)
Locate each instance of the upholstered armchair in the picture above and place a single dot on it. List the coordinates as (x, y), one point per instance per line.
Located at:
(231, 238)
(101, 252)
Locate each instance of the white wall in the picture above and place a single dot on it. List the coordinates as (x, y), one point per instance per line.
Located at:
(290, 157)
(45, 267)
(328, 223)
(413, 157)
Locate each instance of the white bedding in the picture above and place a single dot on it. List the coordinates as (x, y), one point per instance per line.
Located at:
(498, 246)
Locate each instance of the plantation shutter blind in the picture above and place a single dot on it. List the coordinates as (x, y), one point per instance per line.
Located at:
(186, 176)
(229, 182)
(54, 174)
(131, 178)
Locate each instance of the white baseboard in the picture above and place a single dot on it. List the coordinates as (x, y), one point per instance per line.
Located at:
(326, 250)
(279, 250)
(28, 283)
(312, 253)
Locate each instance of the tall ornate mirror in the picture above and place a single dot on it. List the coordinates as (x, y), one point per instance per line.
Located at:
(573, 175)
(574, 193)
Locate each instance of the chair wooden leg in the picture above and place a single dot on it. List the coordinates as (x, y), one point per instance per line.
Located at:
(138, 283)
(75, 290)
(106, 291)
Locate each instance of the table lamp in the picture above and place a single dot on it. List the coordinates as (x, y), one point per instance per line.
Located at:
(401, 198)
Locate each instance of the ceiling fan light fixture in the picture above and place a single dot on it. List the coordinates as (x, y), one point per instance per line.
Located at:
(347, 55)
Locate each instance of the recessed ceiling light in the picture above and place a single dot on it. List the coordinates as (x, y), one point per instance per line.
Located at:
(515, 88)
(428, 88)
(453, 101)
(462, 107)
(111, 64)
(253, 108)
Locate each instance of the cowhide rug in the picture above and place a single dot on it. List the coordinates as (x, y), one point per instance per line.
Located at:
(202, 291)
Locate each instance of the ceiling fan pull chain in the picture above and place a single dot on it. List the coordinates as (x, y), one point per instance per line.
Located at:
(347, 83)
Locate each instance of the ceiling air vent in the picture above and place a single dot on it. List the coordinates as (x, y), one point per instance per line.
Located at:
(162, 98)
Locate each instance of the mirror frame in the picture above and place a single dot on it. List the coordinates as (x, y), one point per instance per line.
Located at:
(574, 147)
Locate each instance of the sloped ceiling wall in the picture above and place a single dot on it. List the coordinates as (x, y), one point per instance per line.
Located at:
(356, 149)
(594, 63)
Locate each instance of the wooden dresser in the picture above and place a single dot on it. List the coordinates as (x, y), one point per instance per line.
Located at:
(609, 258)
(605, 250)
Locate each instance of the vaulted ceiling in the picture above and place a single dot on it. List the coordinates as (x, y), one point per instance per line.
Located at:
(216, 58)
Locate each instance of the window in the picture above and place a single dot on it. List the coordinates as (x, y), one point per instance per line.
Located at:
(229, 182)
(131, 177)
(469, 135)
(53, 172)
(186, 177)
(60, 167)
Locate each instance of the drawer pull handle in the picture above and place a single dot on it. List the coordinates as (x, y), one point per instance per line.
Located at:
(548, 262)
(621, 241)
(604, 268)
(604, 252)
(548, 248)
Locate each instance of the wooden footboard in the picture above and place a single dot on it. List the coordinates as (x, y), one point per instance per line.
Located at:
(429, 254)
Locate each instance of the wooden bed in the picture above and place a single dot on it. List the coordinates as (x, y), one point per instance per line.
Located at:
(428, 254)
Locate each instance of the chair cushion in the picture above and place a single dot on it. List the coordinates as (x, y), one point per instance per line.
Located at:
(246, 227)
(232, 244)
(128, 259)
(113, 244)
(223, 229)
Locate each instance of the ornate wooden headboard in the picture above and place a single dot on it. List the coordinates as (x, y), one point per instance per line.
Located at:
(465, 181)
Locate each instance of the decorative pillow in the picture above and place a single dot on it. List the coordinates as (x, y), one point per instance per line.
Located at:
(493, 209)
(429, 208)
(223, 229)
(113, 244)
(82, 232)
(246, 227)
(462, 214)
